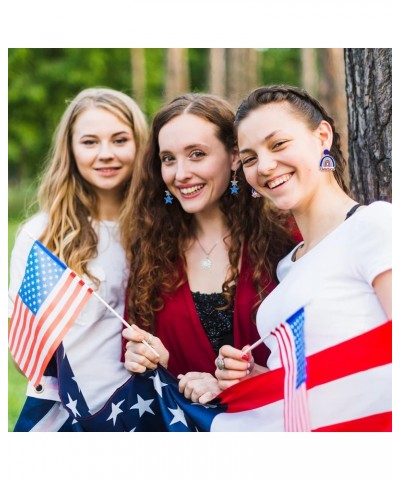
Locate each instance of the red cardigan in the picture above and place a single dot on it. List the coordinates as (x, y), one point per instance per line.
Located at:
(179, 328)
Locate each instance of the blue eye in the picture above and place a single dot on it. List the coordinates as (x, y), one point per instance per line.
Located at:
(197, 154)
(167, 158)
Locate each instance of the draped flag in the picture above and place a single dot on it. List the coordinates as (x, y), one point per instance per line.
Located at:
(49, 300)
(346, 387)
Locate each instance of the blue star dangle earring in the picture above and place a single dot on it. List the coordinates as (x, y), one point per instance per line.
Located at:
(234, 184)
(168, 199)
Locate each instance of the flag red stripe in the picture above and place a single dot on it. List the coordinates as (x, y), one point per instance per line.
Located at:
(26, 323)
(360, 353)
(15, 339)
(381, 422)
(365, 351)
(59, 338)
(48, 311)
(64, 312)
(14, 324)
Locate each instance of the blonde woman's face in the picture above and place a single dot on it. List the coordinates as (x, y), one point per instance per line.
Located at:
(104, 150)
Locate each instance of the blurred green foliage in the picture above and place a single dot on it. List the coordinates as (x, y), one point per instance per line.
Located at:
(42, 80)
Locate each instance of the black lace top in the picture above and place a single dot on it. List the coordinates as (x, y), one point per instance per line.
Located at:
(218, 324)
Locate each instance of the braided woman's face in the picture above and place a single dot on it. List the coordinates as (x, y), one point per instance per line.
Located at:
(281, 155)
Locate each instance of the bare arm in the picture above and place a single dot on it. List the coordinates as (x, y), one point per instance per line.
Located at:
(383, 288)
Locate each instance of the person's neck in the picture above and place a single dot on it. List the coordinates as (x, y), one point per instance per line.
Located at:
(109, 206)
(211, 225)
(323, 214)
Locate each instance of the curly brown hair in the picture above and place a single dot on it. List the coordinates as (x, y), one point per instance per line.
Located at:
(158, 232)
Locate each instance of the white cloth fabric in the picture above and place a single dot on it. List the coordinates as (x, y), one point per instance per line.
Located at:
(93, 344)
(333, 281)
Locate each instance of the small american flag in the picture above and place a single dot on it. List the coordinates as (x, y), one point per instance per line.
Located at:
(49, 300)
(290, 337)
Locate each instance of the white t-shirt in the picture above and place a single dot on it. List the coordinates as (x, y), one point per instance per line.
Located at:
(93, 343)
(333, 281)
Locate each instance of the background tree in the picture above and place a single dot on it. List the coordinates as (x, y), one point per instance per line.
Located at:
(369, 93)
(177, 78)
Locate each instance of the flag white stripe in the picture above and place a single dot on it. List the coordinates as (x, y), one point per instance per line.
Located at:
(36, 332)
(342, 400)
(75, 291)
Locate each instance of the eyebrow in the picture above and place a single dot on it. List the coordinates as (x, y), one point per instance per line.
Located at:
(268, 137)
(122, 132)
(188, 147)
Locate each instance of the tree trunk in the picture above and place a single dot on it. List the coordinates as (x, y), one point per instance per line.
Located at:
(332, 93)
(309, 71)
(217, 71)
(177, 82)
(369, 94)
(138, 66)
(243, 73)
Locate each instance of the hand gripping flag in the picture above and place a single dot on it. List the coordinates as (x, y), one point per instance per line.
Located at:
(346, 387)
(49, 300)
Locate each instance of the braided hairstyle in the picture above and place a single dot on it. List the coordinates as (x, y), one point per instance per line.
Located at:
(305, 107)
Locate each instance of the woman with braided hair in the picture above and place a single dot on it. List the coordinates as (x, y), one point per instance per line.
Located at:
(341, 272)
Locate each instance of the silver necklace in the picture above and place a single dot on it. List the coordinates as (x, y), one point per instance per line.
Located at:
(206, 263)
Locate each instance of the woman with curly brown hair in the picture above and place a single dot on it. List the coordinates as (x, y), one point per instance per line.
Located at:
(204, 246)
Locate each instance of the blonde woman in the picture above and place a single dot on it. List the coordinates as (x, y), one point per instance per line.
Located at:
(81, 198)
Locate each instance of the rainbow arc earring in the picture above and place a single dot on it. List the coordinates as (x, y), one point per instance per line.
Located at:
(234, 184)
(168, 197)
(327, 162)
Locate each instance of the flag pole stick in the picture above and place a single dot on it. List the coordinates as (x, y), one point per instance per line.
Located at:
(122, 320)
(111, 309)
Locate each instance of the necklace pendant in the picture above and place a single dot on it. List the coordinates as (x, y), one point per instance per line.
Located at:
(206, 263)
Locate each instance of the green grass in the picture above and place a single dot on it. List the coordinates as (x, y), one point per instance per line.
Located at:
(16, 381)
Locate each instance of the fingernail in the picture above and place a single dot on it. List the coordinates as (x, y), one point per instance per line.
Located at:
(245, 356)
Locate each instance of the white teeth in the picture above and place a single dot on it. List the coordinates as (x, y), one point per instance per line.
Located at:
(188, 191)
(279, 181)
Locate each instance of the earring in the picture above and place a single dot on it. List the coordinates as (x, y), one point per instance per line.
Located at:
(327, 162)
(234, 182)
(168, 197)
(255, 194)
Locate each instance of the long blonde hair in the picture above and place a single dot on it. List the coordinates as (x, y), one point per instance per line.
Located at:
(64, 195)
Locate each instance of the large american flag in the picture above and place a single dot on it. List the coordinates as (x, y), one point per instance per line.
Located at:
(49, 300)
(346, 387)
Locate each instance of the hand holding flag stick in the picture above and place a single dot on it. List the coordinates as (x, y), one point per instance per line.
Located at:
(123, 321)
(49, 300)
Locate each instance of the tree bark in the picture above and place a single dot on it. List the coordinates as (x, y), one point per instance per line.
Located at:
(369, 97)
(177, 82)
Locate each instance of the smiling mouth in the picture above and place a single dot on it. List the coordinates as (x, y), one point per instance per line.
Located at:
(191, 190)
(279, 181)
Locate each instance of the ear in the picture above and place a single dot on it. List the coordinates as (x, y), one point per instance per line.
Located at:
(235, 159)
(325, 134)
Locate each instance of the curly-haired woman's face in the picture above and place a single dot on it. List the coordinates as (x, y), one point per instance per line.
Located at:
(104, 149)
(195, 164)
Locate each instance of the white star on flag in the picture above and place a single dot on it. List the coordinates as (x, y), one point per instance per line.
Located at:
(143, 406)
(72, 406)
(158, 384)
(179, 416)
(115, 411)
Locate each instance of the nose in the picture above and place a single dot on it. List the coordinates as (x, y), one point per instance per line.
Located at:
(182, 172)
(266, 163)
(106, 151)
